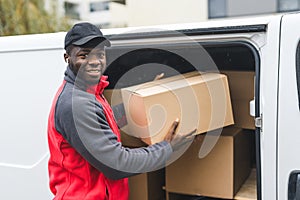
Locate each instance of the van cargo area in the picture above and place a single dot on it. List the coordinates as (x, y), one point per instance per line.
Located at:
(132, 65)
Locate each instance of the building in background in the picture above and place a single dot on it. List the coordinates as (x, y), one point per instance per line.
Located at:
(237, 8)
(153, 12)
(98, 12)
(123, 13)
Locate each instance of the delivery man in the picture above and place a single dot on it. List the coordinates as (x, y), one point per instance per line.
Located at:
(87, 160)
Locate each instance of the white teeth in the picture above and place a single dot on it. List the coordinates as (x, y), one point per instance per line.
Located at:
(93, 70)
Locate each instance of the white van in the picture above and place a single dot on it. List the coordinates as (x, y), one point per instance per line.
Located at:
(267, 47)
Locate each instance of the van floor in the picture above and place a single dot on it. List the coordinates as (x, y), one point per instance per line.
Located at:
(247, 191)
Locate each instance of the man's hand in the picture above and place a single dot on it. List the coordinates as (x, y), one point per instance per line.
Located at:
(178, 140)
(159, 76)
(172, 131)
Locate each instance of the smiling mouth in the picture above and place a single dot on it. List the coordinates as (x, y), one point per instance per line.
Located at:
(94, 72)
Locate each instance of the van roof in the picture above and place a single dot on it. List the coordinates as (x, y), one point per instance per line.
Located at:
(32, 42)
(56, 40)
(212, 23)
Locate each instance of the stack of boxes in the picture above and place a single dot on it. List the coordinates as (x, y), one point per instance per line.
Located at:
(218, 174)
(201, 101)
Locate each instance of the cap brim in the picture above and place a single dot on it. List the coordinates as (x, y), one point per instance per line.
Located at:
(102, 40)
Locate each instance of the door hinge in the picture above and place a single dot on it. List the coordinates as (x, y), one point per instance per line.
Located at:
(258, 122)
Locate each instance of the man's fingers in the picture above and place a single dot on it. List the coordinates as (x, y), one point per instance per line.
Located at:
(170, 135)
(182, 139)
(159, 76)
(174, 126)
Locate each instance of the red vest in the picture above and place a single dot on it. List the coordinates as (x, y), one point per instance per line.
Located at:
(71, 176)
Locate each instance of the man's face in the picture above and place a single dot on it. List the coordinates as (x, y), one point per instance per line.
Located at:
(88, 63)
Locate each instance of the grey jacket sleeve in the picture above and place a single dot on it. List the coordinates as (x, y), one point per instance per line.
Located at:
(85, 127)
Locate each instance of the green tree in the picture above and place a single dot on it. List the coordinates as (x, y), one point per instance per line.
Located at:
(30, 17)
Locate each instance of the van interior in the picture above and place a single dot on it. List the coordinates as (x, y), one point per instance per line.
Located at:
(135, 64)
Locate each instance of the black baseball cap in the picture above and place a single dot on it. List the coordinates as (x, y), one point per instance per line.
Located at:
(84, 32)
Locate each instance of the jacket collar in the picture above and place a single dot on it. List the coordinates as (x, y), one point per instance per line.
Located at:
(98, 88)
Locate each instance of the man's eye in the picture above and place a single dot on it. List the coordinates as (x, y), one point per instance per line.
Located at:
(83, 56)
(102, 55)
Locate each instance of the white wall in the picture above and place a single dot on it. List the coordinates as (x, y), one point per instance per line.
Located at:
(144, 12)
(153, 12)
(119, 15)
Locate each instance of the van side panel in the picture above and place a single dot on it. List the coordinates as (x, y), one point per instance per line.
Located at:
(28, 81)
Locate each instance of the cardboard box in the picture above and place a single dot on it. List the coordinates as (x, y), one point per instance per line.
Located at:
(130, 141)
(241, 112)
(114, 98)
(199, 101)
(220, 173)
(147, 186)
(241, 86)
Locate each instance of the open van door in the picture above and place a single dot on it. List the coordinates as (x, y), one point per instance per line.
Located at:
(288, 161)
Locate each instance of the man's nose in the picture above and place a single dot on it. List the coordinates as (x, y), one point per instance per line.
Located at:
(94, 60)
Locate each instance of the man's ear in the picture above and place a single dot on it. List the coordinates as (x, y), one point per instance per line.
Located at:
(66, 57)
